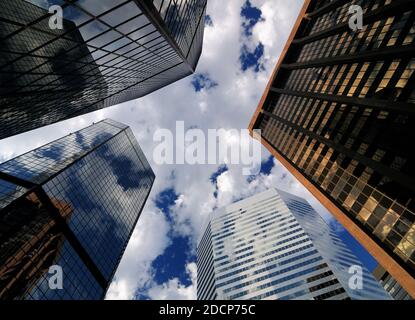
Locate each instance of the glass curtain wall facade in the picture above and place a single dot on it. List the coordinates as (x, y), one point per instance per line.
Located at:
(339, 114)
(274, 245)
(107, 52)
(73, 203)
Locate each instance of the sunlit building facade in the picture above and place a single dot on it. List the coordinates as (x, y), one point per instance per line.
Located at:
(107, 52)
(338, 113)
(274, 245)
(72, 203)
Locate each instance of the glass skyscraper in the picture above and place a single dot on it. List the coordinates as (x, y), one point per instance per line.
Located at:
(338, 113)
(274, 245)
(72, 203)
(107, 52)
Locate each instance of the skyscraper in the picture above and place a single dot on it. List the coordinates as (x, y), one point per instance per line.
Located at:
(338, 113)
(274, 245)
(390, 284)
(107, 52)
(72, 203)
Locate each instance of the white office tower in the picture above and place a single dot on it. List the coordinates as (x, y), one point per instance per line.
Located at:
(274, 245)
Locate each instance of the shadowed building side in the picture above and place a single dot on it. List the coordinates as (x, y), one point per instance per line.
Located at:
(30, 243)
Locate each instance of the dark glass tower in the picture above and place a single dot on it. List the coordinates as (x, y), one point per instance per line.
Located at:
(339, 114)
(73, 203)
(108, 52)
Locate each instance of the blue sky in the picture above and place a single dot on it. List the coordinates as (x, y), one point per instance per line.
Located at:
(172, 263)
(243, 40)
(251, 58)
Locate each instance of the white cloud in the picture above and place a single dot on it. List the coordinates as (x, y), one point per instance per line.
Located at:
(232, 186)
(148, 241)
(174, 289)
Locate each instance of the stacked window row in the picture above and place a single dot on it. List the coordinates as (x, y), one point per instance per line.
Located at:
(363, 80)
(392, 31)
(389, 220)
(341, 14)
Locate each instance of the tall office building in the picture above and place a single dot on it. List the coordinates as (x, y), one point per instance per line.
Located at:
(338, 113)
(274, 245)
(72, 203)
(107, 52)
(390, 284)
